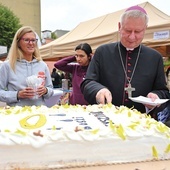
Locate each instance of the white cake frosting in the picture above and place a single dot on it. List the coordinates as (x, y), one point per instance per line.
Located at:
(79, 135)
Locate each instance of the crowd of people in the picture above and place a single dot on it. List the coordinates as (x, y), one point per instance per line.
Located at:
(115, 73)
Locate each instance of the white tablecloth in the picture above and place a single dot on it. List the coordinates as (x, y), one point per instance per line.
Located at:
(49, 102)
(54, 99)
(2, 104)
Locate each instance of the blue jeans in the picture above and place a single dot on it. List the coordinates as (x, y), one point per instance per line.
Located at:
(164, 115)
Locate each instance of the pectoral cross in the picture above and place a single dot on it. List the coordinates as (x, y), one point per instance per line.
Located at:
(129, 89)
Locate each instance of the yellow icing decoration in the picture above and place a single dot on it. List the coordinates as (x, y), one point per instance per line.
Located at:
(129, 114)
(21, 132)
(95, 131)
(162, 128)
(154, 152)
(167, 149)
(118, 129)
(6, 130)
(133, 126)
(120, 132)
(111, 125)
(53, 128)
(17, 112)
(8, 112)
(41, 121)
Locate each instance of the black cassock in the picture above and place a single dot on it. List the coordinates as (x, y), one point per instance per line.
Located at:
(106, 70)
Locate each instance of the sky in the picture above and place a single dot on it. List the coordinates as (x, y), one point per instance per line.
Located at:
(67, 14)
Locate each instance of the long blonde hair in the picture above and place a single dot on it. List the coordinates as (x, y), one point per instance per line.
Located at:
(15, 52)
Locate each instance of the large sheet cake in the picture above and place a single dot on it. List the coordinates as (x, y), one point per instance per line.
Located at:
(79, 136)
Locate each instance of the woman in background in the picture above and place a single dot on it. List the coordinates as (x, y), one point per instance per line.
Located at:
(83, 55)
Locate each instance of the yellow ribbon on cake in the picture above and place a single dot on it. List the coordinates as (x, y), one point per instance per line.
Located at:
(41, 122)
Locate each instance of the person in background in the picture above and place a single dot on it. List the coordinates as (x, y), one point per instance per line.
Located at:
(24, 61)
(56, 79)
(83, 55)
(126, 69)
(62, 75)
(167, 72)
(164, 114)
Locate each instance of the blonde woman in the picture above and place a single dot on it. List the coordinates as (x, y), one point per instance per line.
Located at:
(24, 61)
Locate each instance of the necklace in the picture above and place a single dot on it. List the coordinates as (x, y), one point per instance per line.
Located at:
(129, 89)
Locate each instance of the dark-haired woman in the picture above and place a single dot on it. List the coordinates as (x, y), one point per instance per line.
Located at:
(76, 65)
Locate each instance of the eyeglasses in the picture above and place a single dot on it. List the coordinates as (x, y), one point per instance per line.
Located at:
(26, 40)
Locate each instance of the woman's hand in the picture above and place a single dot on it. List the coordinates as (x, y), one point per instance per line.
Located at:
(28, 92)
(41, 90)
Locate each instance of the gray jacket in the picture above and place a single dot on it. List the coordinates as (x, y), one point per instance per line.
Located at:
(11, 82)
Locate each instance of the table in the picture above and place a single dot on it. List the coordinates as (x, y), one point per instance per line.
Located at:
(153, 165)
(54, 99)
(2, 104)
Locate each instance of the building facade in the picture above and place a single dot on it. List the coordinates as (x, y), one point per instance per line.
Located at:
(28, 11)
(60, 33)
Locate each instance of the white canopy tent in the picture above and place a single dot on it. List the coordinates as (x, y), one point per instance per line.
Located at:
(104, 29)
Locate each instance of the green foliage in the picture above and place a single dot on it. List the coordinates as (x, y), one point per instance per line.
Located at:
(53, 36)
(9, 24)
(167, 63)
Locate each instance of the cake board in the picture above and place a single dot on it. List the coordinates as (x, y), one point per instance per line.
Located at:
(151, 165)
(156, 165)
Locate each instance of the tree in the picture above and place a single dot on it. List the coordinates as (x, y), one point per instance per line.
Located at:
(53, 35)
(9, 24)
